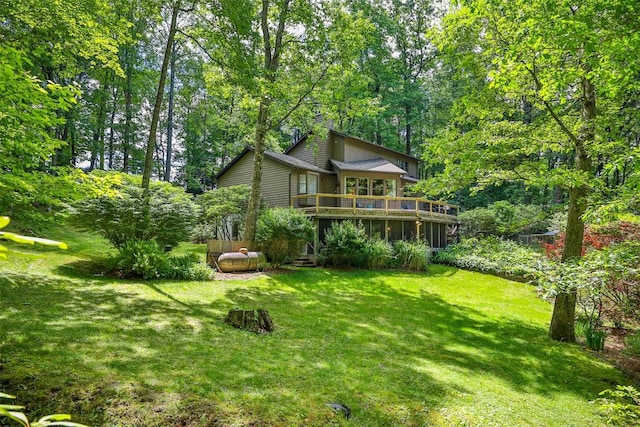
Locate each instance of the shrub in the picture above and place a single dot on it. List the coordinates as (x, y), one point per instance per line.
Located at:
(223, 205)
(141, 258)
(621, 406)
(202, 232)
(502, 219)
(167, 216)
(188, 267)
(379, 254)
(412, 255)
(493, 255)
(147, 260)
(619, 293)
(345, 245)
(633, 344)
(282, 232)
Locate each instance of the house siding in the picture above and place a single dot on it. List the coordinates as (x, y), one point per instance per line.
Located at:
(315, 151)
(336, 145)
(356, 150)
(275, 179)
(304, 151)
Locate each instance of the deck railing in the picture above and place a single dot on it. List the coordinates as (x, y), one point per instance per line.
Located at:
(374, 205)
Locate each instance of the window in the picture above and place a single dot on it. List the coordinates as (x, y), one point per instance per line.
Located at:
(307, 183)
(363, 186)
(349, 185)
(377, 187)
(356, 186)
(391, 187)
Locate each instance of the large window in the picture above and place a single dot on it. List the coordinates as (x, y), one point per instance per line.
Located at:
(377, 187)
(307, 183)
(350, 185)
(363, 186)
(356, 186)
(391, 188)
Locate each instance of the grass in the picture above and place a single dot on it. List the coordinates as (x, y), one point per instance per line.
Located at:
(446, 348)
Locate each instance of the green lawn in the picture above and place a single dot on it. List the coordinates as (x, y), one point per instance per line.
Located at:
(446, 348)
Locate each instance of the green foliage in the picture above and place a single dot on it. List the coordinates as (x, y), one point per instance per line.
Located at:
(38, 199)
(493, 255)
(14, 413)
(140, 258)
(29, 109)
(621, 406)
(282, 232)
(4, 221)
(379, 254)
(166, 216)
(502, 219)
(137, 258)
(411, 255)
(633, 344)
(219, 207)
(345, 245)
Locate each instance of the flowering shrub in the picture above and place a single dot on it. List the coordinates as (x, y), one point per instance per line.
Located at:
(597, 238)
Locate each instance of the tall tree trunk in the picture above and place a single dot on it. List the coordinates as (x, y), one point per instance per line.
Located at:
(112, 121)
(155, 118)
(272, 50)
(172, 83)
(253, 209)
(562, 326)
(128, 106)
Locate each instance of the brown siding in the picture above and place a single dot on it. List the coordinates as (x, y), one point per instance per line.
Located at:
(304, 151)
(275, 179)
(356, 150)
(316, 155)
(336, 145)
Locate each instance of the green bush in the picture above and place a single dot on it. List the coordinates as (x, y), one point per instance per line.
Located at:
(146, 259)
(202, 231)
(633, 344)
(141, 258)
(503, 219)
(379, 254)
(167, 216)
(621, 406)
(495, 256)
(345, 245)
(411, 255)
(282, 232)
(221, 206)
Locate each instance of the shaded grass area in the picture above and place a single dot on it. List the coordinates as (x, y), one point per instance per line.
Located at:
(444, 348)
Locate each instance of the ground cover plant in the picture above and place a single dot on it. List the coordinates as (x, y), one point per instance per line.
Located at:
(495, 256)
(448, 347)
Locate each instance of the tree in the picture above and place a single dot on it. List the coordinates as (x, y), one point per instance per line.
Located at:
(155, 118)
(276, 54)
(544, 65)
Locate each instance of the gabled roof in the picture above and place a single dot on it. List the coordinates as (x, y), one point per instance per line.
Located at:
(344, 135)
(295, 162)
(373, 165)
(282, 158)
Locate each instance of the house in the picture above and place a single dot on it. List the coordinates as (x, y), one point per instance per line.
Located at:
(347, 178)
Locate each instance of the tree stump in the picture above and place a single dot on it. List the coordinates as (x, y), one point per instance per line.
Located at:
(247, 320)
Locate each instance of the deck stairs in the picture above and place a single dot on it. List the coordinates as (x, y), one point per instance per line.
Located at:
(305, 261)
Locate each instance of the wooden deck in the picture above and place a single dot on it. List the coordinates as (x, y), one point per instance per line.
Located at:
(343, 206)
